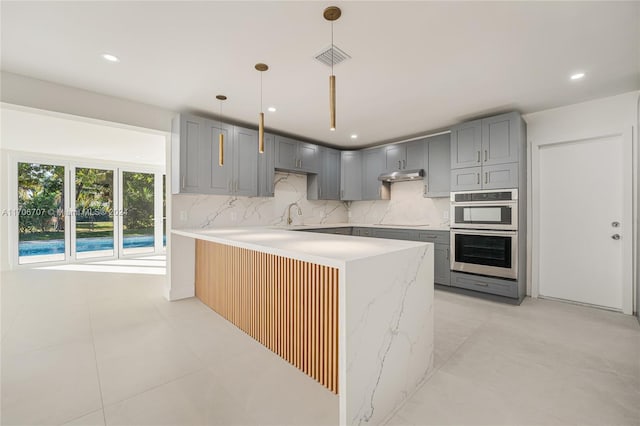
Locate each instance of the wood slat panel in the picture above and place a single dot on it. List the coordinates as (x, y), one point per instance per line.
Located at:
(288, 305)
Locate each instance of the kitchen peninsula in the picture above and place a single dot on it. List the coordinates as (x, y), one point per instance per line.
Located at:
(354, 313)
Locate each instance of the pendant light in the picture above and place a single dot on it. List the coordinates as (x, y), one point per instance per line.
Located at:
(332, 13)
(262, 68)
(221, 135)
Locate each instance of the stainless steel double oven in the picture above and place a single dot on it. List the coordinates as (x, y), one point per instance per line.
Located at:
(484, 232)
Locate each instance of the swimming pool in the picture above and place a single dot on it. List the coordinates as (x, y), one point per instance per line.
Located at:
(37, 248)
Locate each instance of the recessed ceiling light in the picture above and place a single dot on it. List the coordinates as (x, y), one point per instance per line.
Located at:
(110, 58)
(577, 76)
(354, 136)
(271, 109)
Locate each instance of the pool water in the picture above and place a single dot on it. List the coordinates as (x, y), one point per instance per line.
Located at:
(36, 248)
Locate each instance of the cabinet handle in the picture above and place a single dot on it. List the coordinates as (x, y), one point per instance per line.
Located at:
(478, 157)
(478, 178)
(482, 284)
(425, 190)
(486, 177)
(399, 164)
(485, 155)
(404, 164)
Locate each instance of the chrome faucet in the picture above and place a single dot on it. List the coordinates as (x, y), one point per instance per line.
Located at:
(289, 220)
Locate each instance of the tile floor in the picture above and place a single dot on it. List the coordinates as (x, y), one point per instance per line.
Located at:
(94, 347)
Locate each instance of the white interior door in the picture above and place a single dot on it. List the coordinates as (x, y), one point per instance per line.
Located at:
(581, 198)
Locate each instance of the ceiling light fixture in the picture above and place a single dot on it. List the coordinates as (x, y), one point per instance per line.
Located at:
(577, 76)
(109, 57)
(354, 136)
(331, 14)
(262, 68)
(221, 98)
(271, 109)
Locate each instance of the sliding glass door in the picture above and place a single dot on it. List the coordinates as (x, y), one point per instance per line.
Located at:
(94, 213)
(138, 220)
(41, 213)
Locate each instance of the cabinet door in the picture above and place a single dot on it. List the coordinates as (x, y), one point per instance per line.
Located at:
(415, 155)
(191, 135)
(245, 162)
(308, 157)
(372, 166)
(286, 153)
(394, 157)
(466, 144)
(266, 167)
(441, 266)
(466, 179)
(500, 176)
(330, 179)
(351, 175)
(218, 178)
(501, 139)
(438, 170)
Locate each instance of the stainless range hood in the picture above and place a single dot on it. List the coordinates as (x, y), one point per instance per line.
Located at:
(402, 175)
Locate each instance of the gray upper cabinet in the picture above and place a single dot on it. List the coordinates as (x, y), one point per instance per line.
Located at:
(437, 179)
(485, 154)
(186, 152)
(195, 148)
(405, 156)
(266, 167)
(292, 155)
(501, 139)
(326, 184)
(373, 163)
(219, 179)
(466, 144)
(245, 162)
(351, 175)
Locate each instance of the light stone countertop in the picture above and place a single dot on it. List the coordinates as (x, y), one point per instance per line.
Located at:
(420, 227)
(327, 249)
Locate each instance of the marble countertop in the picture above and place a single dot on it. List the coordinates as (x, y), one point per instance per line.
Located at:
(420, 227)
(327, 249)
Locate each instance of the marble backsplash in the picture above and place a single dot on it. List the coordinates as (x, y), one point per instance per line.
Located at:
(407, 206)
(215, 211)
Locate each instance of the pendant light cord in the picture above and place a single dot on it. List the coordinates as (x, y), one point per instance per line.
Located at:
(332, 48)
(261, 91)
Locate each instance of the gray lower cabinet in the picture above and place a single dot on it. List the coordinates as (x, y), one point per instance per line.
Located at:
(441, 264)
(266, 167)
(484, 284)
(325, 185)
(351, 175)
(296, 156)
(372, 166)
(437, 178)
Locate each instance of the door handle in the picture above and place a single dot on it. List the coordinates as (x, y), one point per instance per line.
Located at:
(616, 236)
(485, 155)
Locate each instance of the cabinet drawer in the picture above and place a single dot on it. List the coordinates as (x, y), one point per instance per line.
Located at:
(490, 285)
(438, 237)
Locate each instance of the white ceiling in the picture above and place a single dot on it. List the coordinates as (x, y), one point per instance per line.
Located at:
(27, 130)
(415, 67)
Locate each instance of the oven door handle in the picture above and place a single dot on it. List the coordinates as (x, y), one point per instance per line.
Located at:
(484, 232)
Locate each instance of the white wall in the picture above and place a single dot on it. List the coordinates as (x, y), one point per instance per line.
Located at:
(606, 116)
(213, 211)
(31, 92)
(406, 206)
